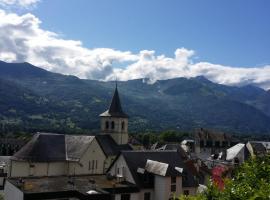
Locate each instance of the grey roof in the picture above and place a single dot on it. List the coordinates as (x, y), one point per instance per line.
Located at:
(76, 145)
(109, 146)
(258, 148)
(51, 147)
(176, 147)
(115, 109)
(234, 151)
(138, 159)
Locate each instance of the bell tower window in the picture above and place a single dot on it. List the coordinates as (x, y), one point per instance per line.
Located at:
(107, 125)
(123, 125)
(112, 124)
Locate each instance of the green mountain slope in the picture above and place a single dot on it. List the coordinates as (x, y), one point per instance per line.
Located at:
(34, 99)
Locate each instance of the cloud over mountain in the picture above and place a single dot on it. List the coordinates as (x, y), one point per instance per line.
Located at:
(23, 40)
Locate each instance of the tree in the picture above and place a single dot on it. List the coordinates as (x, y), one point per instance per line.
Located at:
(251, 181)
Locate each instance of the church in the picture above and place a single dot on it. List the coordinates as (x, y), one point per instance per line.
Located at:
(50, 154)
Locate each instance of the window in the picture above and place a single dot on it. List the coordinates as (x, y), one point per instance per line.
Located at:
(173, 188)
(89, 165)
(173, 184)
(112, 124)
(173, 180)
(186, 192)
(125, 196)
(123, 125)
(96, 164)
(93, 164)
(147, 196)
(107, 125)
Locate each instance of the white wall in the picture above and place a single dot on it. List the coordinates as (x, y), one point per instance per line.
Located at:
(93, 153)
(57, 168)
(23, 169)
(162, 187)
(123, 168)
(11, 192)
(19, 169)
(178, 186)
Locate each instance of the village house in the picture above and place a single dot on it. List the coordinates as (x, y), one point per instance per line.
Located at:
(159, 175)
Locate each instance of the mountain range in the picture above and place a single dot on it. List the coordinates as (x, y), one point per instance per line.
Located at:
(33, 99)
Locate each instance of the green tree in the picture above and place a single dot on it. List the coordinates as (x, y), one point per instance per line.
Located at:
(251, 181)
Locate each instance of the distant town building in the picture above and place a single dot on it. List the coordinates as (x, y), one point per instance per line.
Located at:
(212, 142)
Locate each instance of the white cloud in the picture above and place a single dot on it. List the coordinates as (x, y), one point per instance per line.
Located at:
(22, 39)
(26, 4)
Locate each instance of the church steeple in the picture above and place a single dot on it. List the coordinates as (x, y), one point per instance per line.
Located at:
(115, 107)
(114, 121)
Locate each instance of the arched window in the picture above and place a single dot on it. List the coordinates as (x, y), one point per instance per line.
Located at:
(112, 124)
(123, 125)
(107, 125)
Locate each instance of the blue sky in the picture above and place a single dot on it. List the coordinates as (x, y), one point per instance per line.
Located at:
(225, 41)
(234, 32)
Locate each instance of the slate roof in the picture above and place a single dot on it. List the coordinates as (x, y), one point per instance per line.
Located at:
(51, 147)
(109, 146)
(176, 147)
(115, 109)
(76, 145)
(234, 151)
(138, 159)
(258, 148)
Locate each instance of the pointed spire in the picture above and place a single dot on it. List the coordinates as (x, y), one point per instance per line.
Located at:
(115, 109)
(115, 106)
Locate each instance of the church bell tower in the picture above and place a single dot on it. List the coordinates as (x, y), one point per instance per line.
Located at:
(114, 121)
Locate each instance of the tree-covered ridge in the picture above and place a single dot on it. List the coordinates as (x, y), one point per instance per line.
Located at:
(33, 99)
(250, 181)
